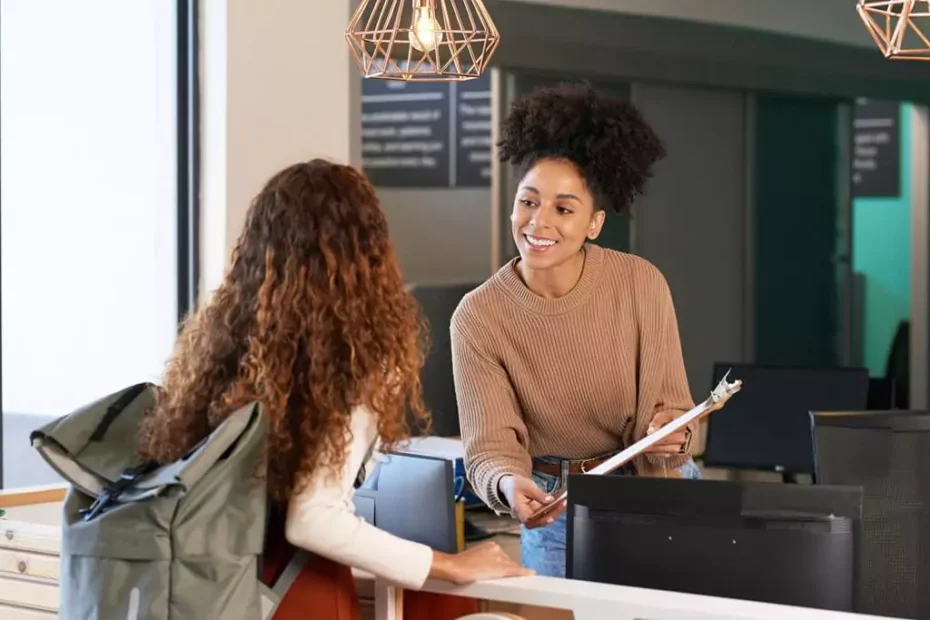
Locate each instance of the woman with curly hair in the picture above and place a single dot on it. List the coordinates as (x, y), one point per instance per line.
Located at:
(312, 321)
(571, 352)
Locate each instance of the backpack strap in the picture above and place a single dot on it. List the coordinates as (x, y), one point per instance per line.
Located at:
(115, 409)
(112, 492)
(272, 597)
(362, 474)
(291, 571)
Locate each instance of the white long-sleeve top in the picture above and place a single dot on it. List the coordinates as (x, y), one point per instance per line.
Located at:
(322, 519)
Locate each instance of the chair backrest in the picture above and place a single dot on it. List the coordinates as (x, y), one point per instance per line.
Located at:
(898, 365)
(887, 453)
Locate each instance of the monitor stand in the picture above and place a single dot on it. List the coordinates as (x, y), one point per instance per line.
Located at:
(474, 533)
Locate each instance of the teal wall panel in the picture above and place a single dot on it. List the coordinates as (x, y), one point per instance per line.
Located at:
(882, 254)
(796, 200)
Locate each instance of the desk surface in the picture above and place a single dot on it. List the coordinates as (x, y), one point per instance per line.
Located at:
(597, 600)
(508, 541)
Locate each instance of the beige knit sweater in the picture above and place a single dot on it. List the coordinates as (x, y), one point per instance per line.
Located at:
(573, 377)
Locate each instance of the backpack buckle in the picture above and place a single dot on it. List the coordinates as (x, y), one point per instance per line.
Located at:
(112, 492)
(97, 507)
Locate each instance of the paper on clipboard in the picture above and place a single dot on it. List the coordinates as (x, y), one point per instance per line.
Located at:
(718, 397)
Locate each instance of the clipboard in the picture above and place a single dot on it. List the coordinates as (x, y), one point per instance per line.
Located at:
(717, 399)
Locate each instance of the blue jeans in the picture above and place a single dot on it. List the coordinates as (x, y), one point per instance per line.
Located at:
(543, 549)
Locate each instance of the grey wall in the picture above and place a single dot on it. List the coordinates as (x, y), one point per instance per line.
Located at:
(825, 20)
(692, 221)
(615, 45)
(442, 236)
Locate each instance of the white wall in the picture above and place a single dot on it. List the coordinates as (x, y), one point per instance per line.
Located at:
(89, 209)
(279, 86)
(89, 276)
(829, 20)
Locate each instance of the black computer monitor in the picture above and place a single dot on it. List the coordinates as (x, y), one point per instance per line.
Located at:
(767, 426)
(881, 394)
(413, 497)
(767, 542)
(438, 303)
(888, 454)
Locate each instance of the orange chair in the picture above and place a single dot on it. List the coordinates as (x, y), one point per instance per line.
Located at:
(329, 590)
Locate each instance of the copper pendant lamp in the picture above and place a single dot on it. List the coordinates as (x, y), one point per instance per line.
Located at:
(900, 28)
(422, 40)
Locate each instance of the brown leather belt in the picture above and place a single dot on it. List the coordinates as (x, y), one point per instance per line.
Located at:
(580, 466)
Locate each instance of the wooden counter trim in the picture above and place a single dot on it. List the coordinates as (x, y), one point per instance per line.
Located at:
(24, 496)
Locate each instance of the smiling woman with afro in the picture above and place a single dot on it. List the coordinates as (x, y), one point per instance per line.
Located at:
(570, 353)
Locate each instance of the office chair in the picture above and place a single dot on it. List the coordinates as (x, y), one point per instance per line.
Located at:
(898, 365)
(887, 453)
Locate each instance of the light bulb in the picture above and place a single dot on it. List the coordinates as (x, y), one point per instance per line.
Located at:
(425, 32)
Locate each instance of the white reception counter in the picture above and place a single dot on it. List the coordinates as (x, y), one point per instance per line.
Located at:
(30, 546)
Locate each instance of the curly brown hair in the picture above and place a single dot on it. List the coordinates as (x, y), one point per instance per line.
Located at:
(311, 320)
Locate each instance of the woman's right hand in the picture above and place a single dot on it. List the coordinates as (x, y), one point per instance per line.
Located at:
(525, 498)
(484, 561)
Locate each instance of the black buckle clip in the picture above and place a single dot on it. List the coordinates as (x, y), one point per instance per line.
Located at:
(113, 491)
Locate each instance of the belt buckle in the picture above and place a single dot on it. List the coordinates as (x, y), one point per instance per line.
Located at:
(584, 465)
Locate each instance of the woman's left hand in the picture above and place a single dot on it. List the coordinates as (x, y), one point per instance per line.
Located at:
(672, 444)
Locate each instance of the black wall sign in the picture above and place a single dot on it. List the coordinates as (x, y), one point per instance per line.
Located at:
(405, 133)
(427, 134)
(473, 133)
(876, 149)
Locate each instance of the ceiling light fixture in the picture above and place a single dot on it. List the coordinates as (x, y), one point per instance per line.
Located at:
(900, 28)
(422, 40)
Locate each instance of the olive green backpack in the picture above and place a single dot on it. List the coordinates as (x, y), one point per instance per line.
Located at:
(179, 541)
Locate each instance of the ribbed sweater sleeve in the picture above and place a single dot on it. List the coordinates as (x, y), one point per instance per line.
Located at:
(493, 431)
(673, 394)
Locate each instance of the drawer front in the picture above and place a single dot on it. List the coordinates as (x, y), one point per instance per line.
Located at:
(15, 563)
(30, 537)
(39, 594)
(29, 568)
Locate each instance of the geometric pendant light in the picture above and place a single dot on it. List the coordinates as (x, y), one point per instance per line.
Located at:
(422, 40)
(900, 28)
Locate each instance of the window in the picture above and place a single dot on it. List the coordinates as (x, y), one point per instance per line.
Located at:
(94, 205)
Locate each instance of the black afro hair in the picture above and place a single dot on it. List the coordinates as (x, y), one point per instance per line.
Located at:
(606, 138)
